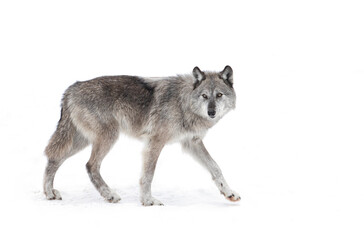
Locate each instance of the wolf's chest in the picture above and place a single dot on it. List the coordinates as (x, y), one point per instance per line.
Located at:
(182, 136)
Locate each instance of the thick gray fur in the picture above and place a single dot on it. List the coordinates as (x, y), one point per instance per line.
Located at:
(156, 110)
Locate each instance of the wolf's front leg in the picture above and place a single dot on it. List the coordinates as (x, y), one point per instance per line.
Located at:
(197, 149)
(150, 158)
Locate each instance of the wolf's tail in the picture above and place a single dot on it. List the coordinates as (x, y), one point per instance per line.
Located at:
(61, 142)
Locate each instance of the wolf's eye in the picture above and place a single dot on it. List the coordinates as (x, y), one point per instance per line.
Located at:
(204, 96)
(219, 95)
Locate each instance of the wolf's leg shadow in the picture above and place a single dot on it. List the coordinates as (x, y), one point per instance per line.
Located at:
(197, 149)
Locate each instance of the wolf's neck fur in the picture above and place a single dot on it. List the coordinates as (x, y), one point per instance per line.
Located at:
(191, 122)
(172, 107)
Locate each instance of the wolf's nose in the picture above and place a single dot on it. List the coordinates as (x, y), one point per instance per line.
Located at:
(211, 113)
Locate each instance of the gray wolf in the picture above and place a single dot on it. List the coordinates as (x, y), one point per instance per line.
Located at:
(157, 110)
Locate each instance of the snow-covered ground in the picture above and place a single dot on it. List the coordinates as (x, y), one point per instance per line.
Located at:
(293, 148)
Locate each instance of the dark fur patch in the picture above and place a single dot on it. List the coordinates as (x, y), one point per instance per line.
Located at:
(130, 89)
(169, 93)
(145, 85)
(211, 106)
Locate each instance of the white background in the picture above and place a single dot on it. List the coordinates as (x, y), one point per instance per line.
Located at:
(293, 148)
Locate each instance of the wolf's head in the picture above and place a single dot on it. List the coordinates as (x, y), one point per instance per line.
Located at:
(213, 95)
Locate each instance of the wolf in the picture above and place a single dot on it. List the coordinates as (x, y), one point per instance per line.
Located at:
(156, 110)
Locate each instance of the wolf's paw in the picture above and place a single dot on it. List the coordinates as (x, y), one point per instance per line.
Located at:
(151, 202)
(112, 198)
(53, 195)
(232, 196)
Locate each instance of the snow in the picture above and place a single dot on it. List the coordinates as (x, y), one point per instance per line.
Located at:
(293, 148)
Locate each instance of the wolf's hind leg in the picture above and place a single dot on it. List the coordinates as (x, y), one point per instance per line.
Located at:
(77, 143)
(50, 172)
(100, 148)
(197, 149)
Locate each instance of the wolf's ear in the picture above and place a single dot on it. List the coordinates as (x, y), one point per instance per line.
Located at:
(198, 75)
(227, 75)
